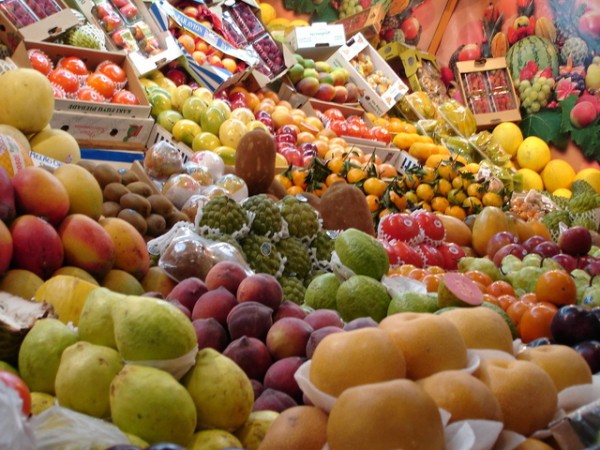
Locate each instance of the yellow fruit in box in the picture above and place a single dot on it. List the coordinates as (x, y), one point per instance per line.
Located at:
(533, 153)
(267, 13)
(531, 179)
(557, 174)
(461, 118)
(566, 193)
(509, 136)
(56, 144)
(278, 24)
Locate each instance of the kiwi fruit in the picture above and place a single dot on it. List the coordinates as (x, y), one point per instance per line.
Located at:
(104, 173)
(110, 209)
(136, 202)
(161, 204)
(141, 188)
(176, 216)
(128, 176)
(135, 219)
(157, 225)
(113, 192)
(87, 165)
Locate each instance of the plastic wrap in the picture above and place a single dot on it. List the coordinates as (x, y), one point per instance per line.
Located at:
(18, 13)
(15, 431)
(430, 80)
(163, 160)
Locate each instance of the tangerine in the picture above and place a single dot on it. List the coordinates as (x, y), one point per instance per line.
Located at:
(556, 287)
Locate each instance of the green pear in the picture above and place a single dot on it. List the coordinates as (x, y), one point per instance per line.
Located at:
(96, 322)
(149, 329)
(152, 405)
(40, 352)
(484, 265)
(84, 376)
(221, 391)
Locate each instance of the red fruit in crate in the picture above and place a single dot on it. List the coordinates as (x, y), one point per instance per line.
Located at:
(431, 225)
(102, 83)
(129, 11)
(339, 127)
(40, 62)
(333, 114)
(401, 227)
(407, 254)
(74, 64)
(125, 97)
(114, 72)
(380, 134)
(90, 94)
(354, 130)
(65, 79)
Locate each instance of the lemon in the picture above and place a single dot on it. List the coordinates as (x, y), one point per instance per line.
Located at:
(267, 12)
(509, 136)
(557, 174)
(562, 192)
(278, 24)
(531, 179)
(591, 175)
(533, 153)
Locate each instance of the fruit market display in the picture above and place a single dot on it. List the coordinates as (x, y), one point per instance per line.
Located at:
(284, 267)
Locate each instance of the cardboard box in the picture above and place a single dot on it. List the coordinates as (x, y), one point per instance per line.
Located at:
(142, 63)
(117, 158)
(41, 30)
(367, 22)
(488, 90)
(92, 58)
(212, 77)
(288, 93)
(418, 69)
(369, 98)
(400, 159)
(318, 41)
(91, 130)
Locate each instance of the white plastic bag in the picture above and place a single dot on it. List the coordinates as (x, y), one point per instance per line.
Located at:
(15, 431)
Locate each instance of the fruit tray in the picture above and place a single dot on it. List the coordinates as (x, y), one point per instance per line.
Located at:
(270, 53)
(246, 20)
(488, 90)
(19, 13)
(43, 8)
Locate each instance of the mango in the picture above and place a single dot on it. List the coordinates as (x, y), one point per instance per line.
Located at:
(85, 193)
(20, 282)
(87, 245)
(6, 247)
(122, 282)
(131, 254)
(157, 280)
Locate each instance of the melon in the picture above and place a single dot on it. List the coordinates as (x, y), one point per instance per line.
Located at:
(27, 100)
(56, 144)
(532, 48)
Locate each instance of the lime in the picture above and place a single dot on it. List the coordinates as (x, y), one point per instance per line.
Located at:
(362, 296)
(321, 292)
(410, 301)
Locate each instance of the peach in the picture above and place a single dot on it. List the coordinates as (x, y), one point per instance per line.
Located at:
(280, 376)
(288, 337)
(40, 193)
(36, 246)
(188, 291)
(262, 288)
(6, 247)
(87, 245)
(228, 274)
(583, 114)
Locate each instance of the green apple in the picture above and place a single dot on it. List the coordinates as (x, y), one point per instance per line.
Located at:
(185, 131)
(203, 93)
(205, 141)
(227, 154)
(192, 108)
(159, 102)
(168, 118)
(211, 119)
(180, 94)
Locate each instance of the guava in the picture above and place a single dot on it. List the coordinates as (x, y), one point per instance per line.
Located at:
(151, 404)
(148, 329)
(84, 376)
(96, 322)
(221, 391)
(40, 352)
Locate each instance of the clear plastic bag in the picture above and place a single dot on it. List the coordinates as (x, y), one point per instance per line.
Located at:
(65, 429)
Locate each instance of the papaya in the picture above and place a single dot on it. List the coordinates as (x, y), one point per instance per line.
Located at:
(255, 161)
(499, 45)
(457, 231)
(488, 222)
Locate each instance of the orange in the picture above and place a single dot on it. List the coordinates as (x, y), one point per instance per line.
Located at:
(387, 170)
(424, 192)
(373, 202)
(535, 322)
(284, 181)
(299, 177)
(336, 165)
(375, 186)
(456, 211)
(557, 287)
(516, 310)
(479, 276)
(333, 178)
(439, 204)
(354, 358)
(295, 190)
(500, 287)
(355, 175)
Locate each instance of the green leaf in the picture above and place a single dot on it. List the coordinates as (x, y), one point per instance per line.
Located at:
(326, 14)
(546, 125)
(292, 5)
(588, 140)
(566, 106)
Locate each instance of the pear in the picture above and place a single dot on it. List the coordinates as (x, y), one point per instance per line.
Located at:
(40, 352)
(151, 404)
(84, 376)
(96, 322)
(149, 329)
(221, 391)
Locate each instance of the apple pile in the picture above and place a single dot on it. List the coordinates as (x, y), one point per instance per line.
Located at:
(319, 80)
(245, 317)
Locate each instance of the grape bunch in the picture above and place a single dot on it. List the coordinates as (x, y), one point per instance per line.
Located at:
(535, 93)
(349, 7)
